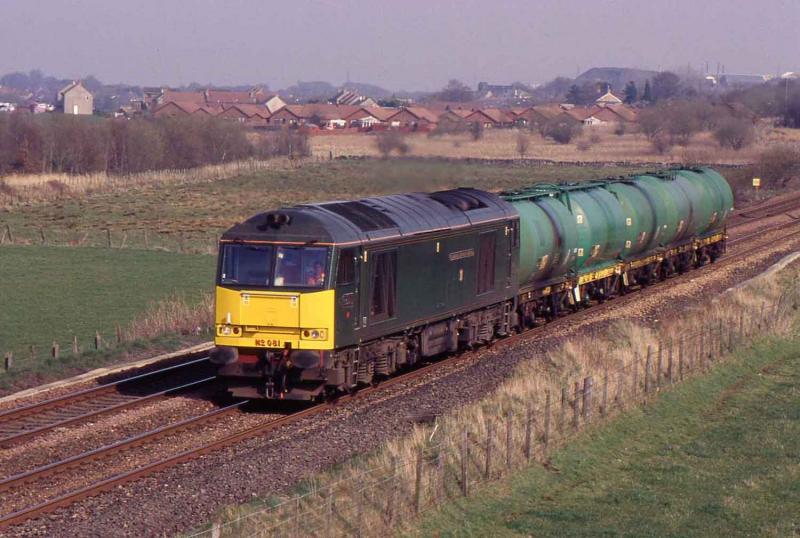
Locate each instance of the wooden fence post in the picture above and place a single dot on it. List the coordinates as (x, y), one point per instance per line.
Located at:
(108, 237)
(670, 362)
(647, 367)
(98, 340)
(391, 501)
(680, 358)
(54, 351)
(547, 406)
(75, 349)
(9, 361)
(528, 432)
(576, 406)
(721, 341)
(487, 466)
(146, 241)
(703, 347)
(509, 437)
(659, 365)
(215, 530)
(604, 402)
(587, 400)
(636, 371)
(33, 352)
(119, 333)
(442, 490)
(741, 327)
(464, 456)
(564, 401)
(418, 481)
(10, 235)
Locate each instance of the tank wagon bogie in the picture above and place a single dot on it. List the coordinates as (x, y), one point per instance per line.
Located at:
(322, 298)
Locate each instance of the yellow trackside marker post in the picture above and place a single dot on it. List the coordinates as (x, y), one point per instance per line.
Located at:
(756, 183)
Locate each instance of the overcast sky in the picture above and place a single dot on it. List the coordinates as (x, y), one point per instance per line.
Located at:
(406, 44)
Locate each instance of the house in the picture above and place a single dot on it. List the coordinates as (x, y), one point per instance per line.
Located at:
(413, 117)
(75, 99)
(215, 98)
(369, 116)
(608, 98)
(248, 114)
(490, 118)
(351, 97)
(289, 115)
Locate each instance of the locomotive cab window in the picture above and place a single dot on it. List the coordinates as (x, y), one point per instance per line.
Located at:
(269, 266)
(346, 268)
(246, 265)
(486, 260)
(383, 286)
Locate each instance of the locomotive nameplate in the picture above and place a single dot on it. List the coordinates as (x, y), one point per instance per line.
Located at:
(461, 254)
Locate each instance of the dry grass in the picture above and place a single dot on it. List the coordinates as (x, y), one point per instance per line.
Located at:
(46, 187)
(502, 144)
(173, 315)
(376, 494)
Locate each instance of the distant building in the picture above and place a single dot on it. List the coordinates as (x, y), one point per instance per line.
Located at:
(75, 99)
(501, 91)
(734, 80)
(608, 98)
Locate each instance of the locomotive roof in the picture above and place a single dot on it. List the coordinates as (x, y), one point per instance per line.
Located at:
(372, 219)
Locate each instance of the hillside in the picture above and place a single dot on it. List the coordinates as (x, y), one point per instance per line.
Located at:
(617, 77)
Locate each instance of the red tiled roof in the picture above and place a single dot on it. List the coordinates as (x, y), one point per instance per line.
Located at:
(183, 97)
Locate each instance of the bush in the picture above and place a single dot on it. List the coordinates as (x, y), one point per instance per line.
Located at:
(662, 143)
(476, 130)
(561, 130)
(285, 143)
(619, 129)
(734, 133)
(389, 141)
(778, 164)
(595, 138)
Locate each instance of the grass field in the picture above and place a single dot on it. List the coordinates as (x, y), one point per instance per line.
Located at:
(200, 209)
(608, 147)
(52, 293)
(718, 456)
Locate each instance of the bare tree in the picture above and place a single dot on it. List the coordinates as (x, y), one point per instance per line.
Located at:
(735, 133)
(523, 142)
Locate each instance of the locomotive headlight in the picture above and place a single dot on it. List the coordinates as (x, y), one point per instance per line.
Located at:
(228, 330)
(315, 334)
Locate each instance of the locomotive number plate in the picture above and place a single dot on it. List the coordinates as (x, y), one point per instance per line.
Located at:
(268, 342)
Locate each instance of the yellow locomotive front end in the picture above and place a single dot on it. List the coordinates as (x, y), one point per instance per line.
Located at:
(274, 319)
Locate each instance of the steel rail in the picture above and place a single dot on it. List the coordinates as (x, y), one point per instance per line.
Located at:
(10, 415)
(115, 448)
(5, 441)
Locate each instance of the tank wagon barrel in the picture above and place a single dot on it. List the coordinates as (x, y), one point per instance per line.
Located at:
(321, 298)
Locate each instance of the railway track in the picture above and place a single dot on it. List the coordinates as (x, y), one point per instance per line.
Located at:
(25, 422)
(779, 232)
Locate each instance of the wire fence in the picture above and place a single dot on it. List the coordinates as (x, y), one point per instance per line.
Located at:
(188, 242)
(454, 457)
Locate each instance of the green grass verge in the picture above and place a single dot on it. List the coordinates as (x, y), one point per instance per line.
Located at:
(717, 456)
(53, 293)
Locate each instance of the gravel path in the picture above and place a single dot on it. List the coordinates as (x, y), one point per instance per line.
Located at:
(183, 497)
